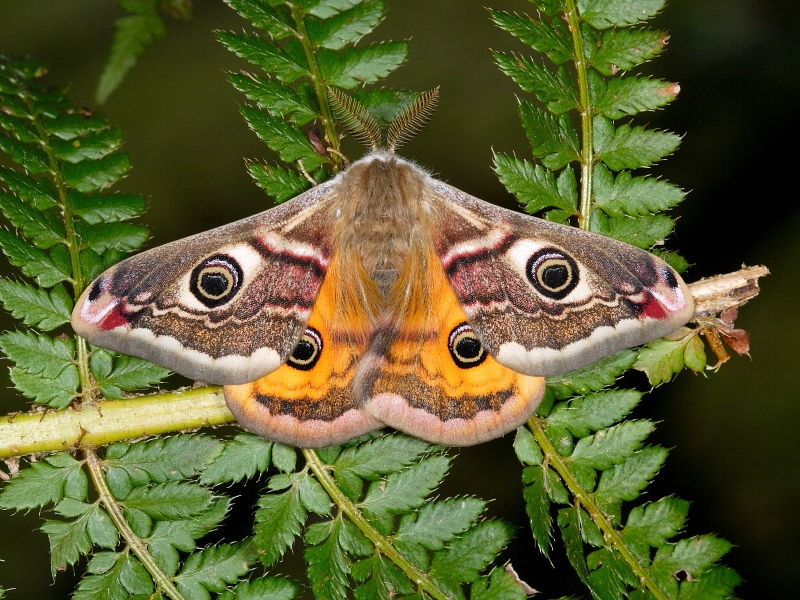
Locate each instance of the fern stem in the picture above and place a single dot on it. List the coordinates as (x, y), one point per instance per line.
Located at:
(317, 80)
(135, 543)
(104, 422)
(586, 499)
(381, 543)
(72, 241)
(586, 114)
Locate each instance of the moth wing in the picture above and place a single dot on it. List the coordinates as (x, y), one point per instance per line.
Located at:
(223, 306)
(309, 401)
(546, 298)
(426, 373)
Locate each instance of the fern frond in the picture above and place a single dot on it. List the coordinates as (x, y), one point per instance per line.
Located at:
(305, 49)
(582, 460)
(65, 228)
(133, 34)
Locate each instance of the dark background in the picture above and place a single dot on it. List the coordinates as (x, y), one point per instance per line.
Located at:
(734, 450)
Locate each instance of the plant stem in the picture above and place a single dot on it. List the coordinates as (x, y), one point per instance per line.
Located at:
(135, 543)
(586, 114)
(586, 499)
(317, 81)
(383, 545)
(71, 241)
(104, 422)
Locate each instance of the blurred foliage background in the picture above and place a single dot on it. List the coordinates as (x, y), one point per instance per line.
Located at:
(733, 433)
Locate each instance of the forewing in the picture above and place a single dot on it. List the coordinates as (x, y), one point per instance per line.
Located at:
(224, 306)
(547, 298)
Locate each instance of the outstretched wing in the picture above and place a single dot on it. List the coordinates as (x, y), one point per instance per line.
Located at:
(546, 298)
(224, 306)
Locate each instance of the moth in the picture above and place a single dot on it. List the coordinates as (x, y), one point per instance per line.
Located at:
(383, 297)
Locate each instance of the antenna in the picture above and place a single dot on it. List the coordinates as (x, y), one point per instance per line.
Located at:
(355, 118)
(411, 119)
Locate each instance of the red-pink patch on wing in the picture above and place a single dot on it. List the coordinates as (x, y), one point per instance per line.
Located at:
(115, 318)
(652, 308)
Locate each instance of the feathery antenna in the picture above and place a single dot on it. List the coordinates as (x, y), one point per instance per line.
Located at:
(411, 119)
(355, 118)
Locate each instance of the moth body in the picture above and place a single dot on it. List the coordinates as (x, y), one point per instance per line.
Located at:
(383, 297)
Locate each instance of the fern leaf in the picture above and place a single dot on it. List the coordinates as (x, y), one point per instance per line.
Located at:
(169, 501)
(551, 39)
(553, 139)
(46, 268)
(284, 139)
(114, 575)
(271, 19)
(36, 307)
(603, 14)
(624, 96)
(273, 588)
(278, 182)
(213, 569)
(407, 489)
(163, 459)
(69, 541)
(35, 192)
(241, 457)
(438, 522)
(169, 538)
(327, 563)
(265, 55)
(555, 90)
(532, 184)
(44, 231)
(627, 479)
(56, 391)
(124, 373)
(623, 49)
(592, 378)
(347, 27)
(357, 66)
(500, 585)
(628, 147)
(634, 196)
(38, 355)
(644, 231)
(465, 557)
(661, 359)
(593, 412)
(45, 482)
(133, 34)
(325, 9)
(278, 522)
(274, 97)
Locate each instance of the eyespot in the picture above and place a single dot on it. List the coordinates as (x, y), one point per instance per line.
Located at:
(307, 351)
(465, 347)
(553, 273)
(216, 280)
